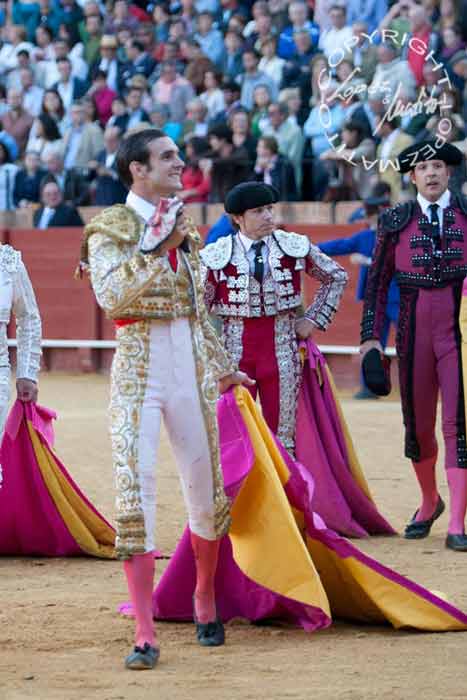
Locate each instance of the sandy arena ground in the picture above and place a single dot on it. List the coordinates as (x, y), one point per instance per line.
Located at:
(61, 639)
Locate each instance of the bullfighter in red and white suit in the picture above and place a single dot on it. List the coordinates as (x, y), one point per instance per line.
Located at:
(253, 283)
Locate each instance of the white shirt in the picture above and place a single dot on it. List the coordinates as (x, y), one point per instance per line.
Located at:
(46, 217)
(250, 253)
(442, 203)
(334, 39)
(32, 100)
(142, 207)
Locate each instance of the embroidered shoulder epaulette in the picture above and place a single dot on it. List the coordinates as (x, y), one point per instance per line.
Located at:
(118, 221)
(396, 218)
(218, 254)
(460, 202)
(10, 259)
(294, 244)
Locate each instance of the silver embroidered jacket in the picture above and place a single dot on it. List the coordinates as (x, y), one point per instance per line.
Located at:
(17, 297)
(231, 291)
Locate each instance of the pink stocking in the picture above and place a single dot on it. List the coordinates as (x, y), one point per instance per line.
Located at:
(206, 553)
(457, 481)
(426, 475)
(139, 572)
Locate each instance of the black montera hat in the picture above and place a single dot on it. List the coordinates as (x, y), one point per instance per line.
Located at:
(376, 370)
(249, 195)
(428, 150)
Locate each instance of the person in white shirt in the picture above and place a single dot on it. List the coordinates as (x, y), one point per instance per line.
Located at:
(8, 172)
(213, 97)
(339, 36)
(32, 94)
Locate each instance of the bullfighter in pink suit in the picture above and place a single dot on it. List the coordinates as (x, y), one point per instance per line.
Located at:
(423, 244)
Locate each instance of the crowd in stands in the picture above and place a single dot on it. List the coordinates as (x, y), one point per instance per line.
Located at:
(316, 98)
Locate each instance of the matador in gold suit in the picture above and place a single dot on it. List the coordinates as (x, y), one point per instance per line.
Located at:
(167, 363)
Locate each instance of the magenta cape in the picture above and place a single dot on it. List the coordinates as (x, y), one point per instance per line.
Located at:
(324, 447)
(279, 559)
(42, 510)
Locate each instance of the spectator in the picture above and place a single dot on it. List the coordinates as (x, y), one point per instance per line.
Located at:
(415, 52)
(264, 30)
(161, 22)
(364, 54)
(260, 117)
(118, 110)
(108, 63)
(297, 111)
(270, 63)
(397, 20)
(91, 36)
(391, 72)
(196, 180)
(73, 183)
(188, 16)
(9, 143)
(289, 137)
(210, 39)
(196, 123)
(242, 139)
(17, 122)
(69, 88)
(49, 72)
(213, 97)
(108, 189)
(353, 180)
(44, 136)
(52, 104)
(120, 18)
(197, 64)
(44, 38)
(13, 79)
(102, 96)
(71, 16)
(298, 15)
(229, 8)
(371, 12)
(253, 77)
(15, 42)
(393, 141)
(53, 211)
(34, 15)
(231, 93)
(139, 62)
(339, 36)
(174, 91)
(135, 114)
(259, 9)
(32, 94)
(28, 180)
(159, 117)
(275, 169)
(298, 65)
(231, 64)
(7, 179)
(82, 141)
(228, 166)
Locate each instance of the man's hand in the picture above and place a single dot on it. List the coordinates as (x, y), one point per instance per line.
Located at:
(235, 378)
(359, 259)
(26, 390)
(304, 328)
(178, 235)
(369, 345)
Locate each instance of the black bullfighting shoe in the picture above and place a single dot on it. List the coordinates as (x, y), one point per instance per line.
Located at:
(211, 634)
(457, 542)
(418, 530)
(142, 658)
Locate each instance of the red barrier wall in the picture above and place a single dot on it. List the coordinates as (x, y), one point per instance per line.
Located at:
(69, 311)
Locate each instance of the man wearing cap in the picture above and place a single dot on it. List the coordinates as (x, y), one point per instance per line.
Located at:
(253, 284)
(145, 272)
(423, 244)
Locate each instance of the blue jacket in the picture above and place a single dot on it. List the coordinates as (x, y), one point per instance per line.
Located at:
(363, 242)
(222, 227)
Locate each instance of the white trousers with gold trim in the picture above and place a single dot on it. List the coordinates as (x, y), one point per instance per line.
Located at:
(172, 393)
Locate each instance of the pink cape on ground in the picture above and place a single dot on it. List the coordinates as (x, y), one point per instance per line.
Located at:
(280, 560)
(42, 510)
(324, 447)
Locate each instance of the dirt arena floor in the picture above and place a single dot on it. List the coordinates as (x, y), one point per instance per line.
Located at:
(61, 638)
